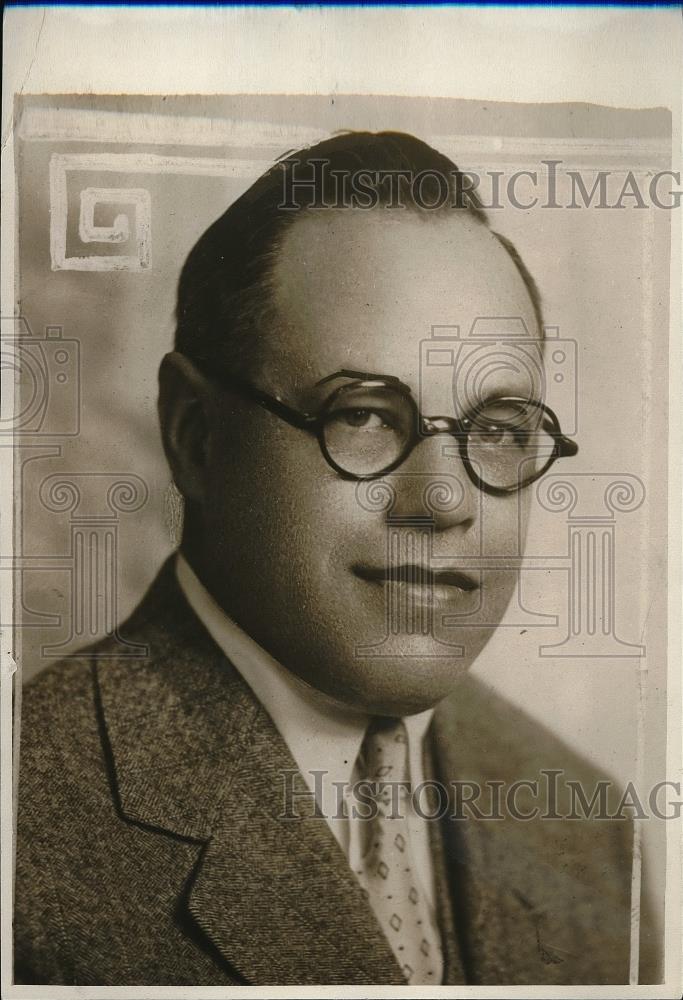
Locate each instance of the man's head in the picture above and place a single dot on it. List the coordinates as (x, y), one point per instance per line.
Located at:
(332, 575)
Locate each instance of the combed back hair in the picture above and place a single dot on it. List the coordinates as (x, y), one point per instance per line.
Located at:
(225, 291)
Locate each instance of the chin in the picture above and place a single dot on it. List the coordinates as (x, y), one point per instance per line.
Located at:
(399, 684)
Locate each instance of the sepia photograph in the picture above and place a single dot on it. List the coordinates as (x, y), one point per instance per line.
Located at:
(341, 503)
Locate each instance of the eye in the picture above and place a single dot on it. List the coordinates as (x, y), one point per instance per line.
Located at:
(361, 419)
(501, 435)
(490, 435)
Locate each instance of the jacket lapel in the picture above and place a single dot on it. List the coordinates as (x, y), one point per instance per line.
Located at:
(453, 972)
(277, 894)
(193, 753)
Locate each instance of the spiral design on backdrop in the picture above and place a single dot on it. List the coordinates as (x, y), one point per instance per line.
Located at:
(59, 495)
(127, 495)
(556, 494)
(624, 495)
(443, 495)
(376, 496)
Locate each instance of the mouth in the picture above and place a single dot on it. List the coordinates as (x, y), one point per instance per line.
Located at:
(421, 578)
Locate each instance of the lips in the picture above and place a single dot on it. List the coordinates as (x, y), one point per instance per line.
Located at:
(417, 576)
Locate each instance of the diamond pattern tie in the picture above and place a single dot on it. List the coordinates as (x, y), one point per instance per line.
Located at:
(382, 857)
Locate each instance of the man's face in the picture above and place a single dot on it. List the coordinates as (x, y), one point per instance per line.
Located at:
(313, 565)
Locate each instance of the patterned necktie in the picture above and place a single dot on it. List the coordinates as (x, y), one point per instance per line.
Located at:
(381, 856)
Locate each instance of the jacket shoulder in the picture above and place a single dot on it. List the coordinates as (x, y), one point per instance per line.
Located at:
(60, 767)
(560, 845)
(66, 806)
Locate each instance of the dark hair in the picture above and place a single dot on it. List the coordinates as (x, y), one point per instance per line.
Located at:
(224, 287)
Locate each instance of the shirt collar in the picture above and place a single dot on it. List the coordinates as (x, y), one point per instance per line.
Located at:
(321, 734)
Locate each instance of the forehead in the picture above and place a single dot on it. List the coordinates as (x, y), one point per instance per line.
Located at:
(362, 290)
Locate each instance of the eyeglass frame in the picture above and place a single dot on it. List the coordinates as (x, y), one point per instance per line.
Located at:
(422, 426)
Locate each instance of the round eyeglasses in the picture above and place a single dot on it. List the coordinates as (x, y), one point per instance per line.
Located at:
(370, 424)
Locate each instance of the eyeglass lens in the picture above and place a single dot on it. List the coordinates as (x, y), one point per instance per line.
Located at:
(367, 429)
(510, 443)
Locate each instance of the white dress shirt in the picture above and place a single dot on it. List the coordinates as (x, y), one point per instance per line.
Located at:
(321, 735)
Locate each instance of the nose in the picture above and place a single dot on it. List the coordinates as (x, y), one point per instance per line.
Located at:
(432, 487)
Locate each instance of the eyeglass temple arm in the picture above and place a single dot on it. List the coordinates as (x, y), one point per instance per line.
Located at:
(566, 447)
(304, 421)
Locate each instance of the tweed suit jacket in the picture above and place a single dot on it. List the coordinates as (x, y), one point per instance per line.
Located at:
(151, 846)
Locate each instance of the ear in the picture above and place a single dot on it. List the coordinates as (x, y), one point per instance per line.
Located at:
(185, 404)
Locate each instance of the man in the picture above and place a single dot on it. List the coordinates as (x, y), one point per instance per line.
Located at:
(215, 813)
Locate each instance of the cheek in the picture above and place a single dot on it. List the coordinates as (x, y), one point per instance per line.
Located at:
(276, 501)
(503, 524)
(317, 525)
